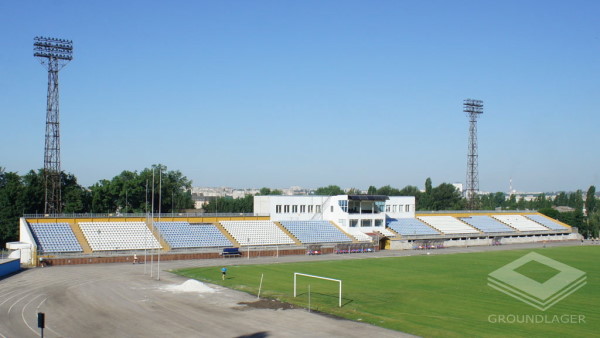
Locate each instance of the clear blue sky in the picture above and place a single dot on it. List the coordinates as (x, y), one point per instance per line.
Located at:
(310, 93)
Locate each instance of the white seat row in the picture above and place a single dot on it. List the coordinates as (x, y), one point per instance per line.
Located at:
(448, 224)
(547, 222)
(520, 223)
(315, 231)
(359, 235)
(386, 232)
(107, 236)
(256, 233)
(411, 226)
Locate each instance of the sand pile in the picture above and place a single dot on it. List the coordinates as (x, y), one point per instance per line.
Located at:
(191, 285)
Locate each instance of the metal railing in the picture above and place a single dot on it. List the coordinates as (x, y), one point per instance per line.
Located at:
(488, 234)
(433, 212)
(129, 215)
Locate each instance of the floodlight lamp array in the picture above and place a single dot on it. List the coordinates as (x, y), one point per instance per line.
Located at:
(473, 106)
(53, 48)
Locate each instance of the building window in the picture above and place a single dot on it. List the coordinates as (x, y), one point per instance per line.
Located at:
(278, 209)
(342, 222)
(365, 223)
(318, 209)
(286, 208)
(387, 208)
(353, 223)
(394, 208)
(354, 207)
(378, 222)
(331, 208)
(407, 208)
(344, 205)
(294, 209)
(310, 209)
(303, 208)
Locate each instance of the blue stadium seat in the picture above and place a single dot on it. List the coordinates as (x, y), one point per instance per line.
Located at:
(410, 226)
(548, 223)
(55, 237)
(192, 235)
(315, 232)
(487, 224)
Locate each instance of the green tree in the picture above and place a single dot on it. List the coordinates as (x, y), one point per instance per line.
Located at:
(428, 186)
(411, 190)
(388, 190)
(561, 199)
(590, 200)
(446, 197)
(372, 190)
(11, 205)
(354, 191)
(427, 200)
(230, 205)
(134, 192)
(266, 191)
(550, 212)
(330, 190)
(76, 199)
(594, 224)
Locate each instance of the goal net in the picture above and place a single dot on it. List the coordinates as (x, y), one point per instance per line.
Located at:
(298, 274)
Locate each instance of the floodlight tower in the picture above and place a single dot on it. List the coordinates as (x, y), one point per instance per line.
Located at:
(54, 54)
(473, 108)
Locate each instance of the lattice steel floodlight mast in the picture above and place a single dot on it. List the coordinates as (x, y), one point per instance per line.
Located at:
(55, 54)
(473, 108)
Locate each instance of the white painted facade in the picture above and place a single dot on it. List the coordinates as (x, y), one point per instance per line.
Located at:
(352, 212)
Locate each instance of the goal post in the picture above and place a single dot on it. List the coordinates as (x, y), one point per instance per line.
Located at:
(296, 274)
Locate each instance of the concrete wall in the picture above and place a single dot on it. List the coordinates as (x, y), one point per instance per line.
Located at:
(175, 256)
(406, 245)
(6, 268)
(25, 236)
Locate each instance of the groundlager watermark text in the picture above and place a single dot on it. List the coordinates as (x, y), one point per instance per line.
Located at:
(536, 319)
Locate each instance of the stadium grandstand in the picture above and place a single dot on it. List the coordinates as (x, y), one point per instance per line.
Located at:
(281, 225)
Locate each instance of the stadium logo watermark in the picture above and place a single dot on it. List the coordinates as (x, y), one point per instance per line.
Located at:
(544, 295)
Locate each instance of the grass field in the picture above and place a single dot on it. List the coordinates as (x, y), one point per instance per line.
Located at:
(436, 295)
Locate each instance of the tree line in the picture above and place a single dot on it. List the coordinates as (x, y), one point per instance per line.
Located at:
(133, 192)
(128, 192)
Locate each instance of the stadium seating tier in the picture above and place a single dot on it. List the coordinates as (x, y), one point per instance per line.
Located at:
(520, 223)
(411, 226)
(547, 222)
(256, 233)
(315, 231)
(55, 237)
(108, 236)
(448, 225)
(195, 235)
(487, 224)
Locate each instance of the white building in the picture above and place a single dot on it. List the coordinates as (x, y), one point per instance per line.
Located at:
(366, 213)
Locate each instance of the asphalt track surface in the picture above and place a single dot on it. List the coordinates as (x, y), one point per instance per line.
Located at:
(123, 300)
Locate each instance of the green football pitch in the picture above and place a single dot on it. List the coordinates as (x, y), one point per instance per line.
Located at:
(430, 295)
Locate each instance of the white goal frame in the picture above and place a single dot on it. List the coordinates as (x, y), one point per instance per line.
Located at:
(296, 274)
